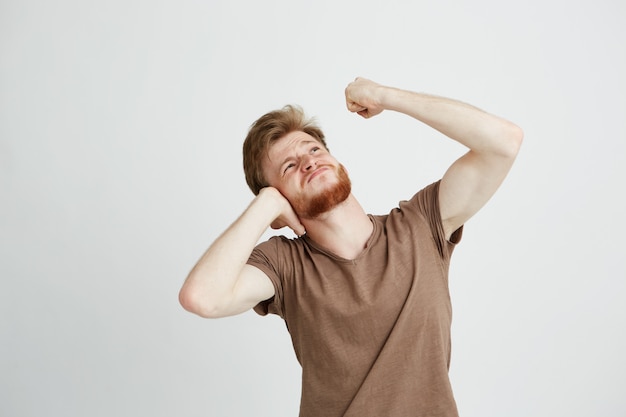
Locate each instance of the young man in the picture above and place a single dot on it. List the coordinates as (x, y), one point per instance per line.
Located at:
(365, 298)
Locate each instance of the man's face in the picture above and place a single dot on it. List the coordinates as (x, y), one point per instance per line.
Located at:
(306, 174)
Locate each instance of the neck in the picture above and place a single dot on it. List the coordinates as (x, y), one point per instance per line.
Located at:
(344, 230)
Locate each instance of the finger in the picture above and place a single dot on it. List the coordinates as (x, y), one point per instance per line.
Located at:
(300, 231)
(278, 224)
(355, 107)
(297, 228)
(296, 225)
(290, 220)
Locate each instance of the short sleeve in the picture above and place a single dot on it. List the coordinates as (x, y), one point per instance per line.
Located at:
(427, 202)
(264, 257)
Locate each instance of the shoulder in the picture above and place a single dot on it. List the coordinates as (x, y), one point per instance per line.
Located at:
(423, 204)
(427, 198)
(423, 212)
(279, 243)
(278, 250)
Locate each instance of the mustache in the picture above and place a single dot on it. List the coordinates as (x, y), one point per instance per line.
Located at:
(307, 178)
(312, 207)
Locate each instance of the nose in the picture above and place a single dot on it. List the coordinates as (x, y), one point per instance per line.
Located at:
(308, 162)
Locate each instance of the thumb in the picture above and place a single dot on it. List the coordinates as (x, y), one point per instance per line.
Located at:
(354, 107)
(297, 227)
(292, 222)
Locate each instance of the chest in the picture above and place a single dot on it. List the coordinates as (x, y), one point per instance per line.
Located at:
(362, 299)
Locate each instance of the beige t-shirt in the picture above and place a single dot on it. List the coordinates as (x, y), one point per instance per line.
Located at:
(372, 334)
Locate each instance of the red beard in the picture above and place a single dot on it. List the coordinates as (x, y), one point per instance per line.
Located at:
(328, 199)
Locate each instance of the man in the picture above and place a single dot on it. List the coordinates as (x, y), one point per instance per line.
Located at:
(365, 298)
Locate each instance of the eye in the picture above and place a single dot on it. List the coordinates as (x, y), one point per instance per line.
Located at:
(315, 149)
(290, 165)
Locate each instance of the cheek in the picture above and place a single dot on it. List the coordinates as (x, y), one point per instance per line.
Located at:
(332, 161)
(288, 190)
(284, 186)
(272, 180)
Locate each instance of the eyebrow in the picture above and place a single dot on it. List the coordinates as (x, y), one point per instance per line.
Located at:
(303, 143)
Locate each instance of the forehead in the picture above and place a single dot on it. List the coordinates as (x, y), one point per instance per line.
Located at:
(289, 145)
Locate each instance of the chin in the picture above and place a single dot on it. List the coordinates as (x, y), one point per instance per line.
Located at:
(326, 200)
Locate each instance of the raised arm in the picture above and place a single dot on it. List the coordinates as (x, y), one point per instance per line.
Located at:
(492, 141)
(221, 283)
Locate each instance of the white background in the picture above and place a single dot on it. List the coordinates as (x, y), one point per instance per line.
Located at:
(121, 124)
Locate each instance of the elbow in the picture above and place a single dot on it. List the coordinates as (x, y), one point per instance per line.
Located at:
(190, 301)
(517, 137)
(513, 136)
(199, 304)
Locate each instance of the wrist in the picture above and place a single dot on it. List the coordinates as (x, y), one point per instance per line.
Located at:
(270, 203)
(389, 98)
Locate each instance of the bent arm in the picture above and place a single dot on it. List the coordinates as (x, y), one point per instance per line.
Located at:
(221, 283)
(493, 143)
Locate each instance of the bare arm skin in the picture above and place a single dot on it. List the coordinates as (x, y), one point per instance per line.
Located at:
(221, 283)
(492, 141)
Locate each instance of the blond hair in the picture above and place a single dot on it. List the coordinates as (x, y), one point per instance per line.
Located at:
(265, 131)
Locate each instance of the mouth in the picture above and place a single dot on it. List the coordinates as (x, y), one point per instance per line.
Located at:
(316, 173)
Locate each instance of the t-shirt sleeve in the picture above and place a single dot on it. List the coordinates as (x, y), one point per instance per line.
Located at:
(427, 202)
(264, 257)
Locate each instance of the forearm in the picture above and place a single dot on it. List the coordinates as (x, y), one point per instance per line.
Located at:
(473, 178)
(478, 130)
(212, 280)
